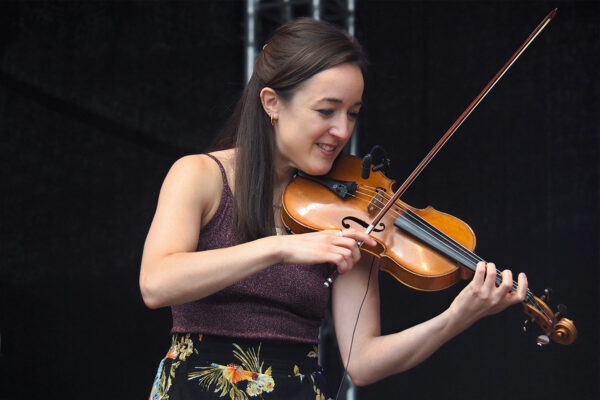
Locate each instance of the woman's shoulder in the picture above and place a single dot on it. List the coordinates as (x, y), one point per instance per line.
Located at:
(197, 180)
(191, 169)
(202, 167)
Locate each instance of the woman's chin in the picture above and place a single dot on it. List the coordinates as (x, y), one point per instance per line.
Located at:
(317, 169)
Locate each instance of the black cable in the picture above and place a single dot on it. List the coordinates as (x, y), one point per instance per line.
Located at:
(354, 331)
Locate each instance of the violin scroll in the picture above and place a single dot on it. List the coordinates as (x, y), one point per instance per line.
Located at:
(554, 325)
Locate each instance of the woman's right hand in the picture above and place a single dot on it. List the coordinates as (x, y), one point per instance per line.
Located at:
(338, 247)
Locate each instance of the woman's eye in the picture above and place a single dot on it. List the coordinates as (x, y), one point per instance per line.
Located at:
(325, 111)
(353, 115)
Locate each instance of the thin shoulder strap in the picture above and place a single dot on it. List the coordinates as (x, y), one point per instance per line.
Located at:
(223, 175)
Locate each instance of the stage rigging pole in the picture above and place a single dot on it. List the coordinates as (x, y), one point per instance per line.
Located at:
(262, 17)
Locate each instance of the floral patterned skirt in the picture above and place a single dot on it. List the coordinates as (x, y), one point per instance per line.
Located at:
(207, 367)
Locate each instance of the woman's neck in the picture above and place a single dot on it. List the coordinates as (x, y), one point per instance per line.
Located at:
(283, 174)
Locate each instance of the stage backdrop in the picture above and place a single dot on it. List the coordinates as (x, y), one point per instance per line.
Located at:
(98, 99)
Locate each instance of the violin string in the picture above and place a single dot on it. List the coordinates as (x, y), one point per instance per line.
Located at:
(441, 236)
(424, 225)
(530, 298)
(450, 243)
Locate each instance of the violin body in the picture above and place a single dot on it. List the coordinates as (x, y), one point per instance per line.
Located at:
(309, 206)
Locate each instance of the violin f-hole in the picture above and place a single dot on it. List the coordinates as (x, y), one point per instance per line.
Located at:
(380, 227)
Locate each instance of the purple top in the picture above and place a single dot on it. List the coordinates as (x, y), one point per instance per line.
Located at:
(281, 302)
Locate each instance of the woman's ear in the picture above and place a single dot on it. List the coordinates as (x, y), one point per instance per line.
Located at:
(270, 102)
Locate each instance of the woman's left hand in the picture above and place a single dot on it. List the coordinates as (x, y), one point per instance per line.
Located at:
(481, 297)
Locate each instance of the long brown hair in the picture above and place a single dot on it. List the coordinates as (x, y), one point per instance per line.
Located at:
(295, 52)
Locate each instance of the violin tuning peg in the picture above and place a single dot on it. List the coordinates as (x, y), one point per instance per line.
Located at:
(562, 311)
(546, 295)
(542, 340)
(526, 325)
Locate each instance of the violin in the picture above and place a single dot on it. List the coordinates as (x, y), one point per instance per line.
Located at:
(424, 249)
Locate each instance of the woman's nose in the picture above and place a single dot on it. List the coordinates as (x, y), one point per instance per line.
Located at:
(342, 128)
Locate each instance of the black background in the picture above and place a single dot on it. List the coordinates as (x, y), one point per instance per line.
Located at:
(98, 99)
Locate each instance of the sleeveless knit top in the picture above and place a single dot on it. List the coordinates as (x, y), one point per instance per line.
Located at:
(282, 302)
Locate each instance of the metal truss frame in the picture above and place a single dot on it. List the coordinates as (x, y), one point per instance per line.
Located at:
(262, 18)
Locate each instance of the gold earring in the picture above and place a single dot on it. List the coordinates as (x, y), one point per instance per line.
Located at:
(273, 119)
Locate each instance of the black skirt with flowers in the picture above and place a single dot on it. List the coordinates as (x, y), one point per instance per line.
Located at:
(209, 367)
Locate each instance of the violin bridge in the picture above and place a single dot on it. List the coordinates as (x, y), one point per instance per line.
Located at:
(377, 202)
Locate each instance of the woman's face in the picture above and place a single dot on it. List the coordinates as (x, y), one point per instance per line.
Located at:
(313, 127)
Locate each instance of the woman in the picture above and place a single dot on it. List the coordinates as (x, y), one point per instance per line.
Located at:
(247, 299)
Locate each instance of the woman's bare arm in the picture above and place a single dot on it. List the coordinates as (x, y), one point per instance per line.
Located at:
(375, 357)
(173, 272)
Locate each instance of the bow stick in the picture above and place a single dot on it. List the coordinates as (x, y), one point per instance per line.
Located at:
(432, 153)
